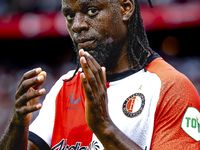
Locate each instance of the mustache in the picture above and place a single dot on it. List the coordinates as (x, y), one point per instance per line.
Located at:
(77, 38)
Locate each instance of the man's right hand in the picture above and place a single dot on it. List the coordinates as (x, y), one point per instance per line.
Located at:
(27, 96)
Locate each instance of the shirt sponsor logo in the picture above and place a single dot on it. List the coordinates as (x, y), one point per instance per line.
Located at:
(72, 101)
(134, 105)
(62, 145)
(191, 123)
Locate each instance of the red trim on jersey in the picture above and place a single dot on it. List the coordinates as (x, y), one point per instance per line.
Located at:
(73, 128)
(107, 85)
(70, 127)
(176, 95)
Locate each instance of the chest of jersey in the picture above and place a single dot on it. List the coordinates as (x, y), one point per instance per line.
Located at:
(131, 102)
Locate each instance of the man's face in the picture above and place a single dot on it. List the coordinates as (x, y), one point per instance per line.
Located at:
(95, 26)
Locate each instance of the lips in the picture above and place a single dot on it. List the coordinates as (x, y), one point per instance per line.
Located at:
(85, 43)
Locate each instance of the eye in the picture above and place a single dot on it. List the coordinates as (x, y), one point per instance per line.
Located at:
(92, 11)
(70, 17)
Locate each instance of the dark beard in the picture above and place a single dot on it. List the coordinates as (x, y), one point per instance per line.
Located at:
(105, 53)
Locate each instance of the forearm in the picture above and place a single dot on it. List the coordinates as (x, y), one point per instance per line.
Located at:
(26, 102)
(15, 137)
(113, 138)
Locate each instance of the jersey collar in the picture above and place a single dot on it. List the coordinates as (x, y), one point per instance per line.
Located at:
(122, 75)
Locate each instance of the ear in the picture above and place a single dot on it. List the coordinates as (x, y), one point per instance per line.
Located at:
(127, 9)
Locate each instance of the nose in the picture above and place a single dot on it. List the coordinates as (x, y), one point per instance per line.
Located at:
(79, 23)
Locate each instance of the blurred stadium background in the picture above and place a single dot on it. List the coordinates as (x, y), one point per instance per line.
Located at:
(33, 34)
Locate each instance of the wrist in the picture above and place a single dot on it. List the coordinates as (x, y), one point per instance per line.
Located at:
(106, 129)
(15, 121)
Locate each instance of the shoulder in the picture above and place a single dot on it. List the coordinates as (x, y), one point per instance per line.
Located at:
(163, 69)
(176, 88)
(172, 81)
(177, 94)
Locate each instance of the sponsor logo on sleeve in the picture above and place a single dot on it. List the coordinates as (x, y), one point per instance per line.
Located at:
(191, 123)
(134, 105)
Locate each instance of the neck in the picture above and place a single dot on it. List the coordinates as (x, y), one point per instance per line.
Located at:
(120, 64)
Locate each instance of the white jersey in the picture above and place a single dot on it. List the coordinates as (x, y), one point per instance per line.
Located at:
(150, 107)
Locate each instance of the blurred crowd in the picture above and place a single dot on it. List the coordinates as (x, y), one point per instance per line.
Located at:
(19, 6)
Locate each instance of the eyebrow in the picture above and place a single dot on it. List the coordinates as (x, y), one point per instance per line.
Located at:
(65, 9)
(86, 2)
(81, 3)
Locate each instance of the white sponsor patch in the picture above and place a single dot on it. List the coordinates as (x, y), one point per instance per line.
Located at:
(191, 123)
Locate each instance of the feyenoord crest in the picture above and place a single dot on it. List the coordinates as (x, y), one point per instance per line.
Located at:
(134, 105)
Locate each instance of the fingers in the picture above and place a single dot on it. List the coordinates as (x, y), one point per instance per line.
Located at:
(30, 79)
(26, 84)
(99, 70)
(87, 88)
(93, 71)
(30, 74)
(28, 96)
(21, 106)
(24, 110)
(104, 73)
(44, 74)
(28, 89)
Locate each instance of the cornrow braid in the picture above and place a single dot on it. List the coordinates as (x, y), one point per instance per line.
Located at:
(138, 45)
(150, 3)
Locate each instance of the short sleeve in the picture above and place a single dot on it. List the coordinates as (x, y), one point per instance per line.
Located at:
(176, 96)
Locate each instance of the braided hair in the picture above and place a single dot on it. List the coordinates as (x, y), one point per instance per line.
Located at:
(138, 45)
(138, 48)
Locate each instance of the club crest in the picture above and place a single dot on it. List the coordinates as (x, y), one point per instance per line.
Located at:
(134, 105)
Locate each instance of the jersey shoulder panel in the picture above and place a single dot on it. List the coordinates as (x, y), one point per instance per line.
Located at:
(176, 95)
(174, 84)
